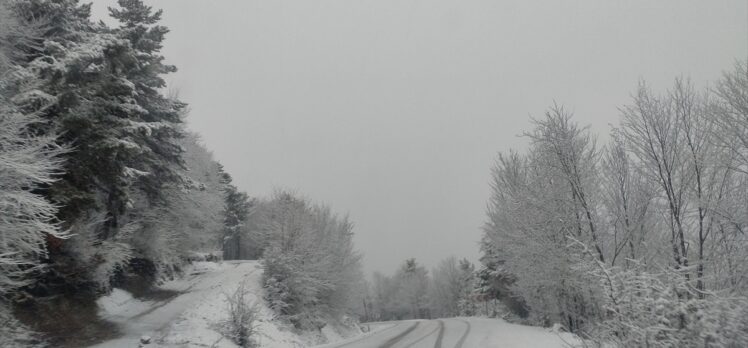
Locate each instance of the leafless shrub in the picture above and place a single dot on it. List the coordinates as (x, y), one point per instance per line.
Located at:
(241, 326)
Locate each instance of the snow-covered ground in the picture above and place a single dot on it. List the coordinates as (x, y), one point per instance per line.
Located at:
(458, 333)
(190, 319)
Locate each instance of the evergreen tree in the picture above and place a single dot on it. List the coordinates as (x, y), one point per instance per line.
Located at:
(236, 213)
(104, 84)
(154, 119)
(413, 281)
(99, 88)
(466, 302)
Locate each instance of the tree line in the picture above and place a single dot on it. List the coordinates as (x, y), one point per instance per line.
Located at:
(640, 241)
(452, 288)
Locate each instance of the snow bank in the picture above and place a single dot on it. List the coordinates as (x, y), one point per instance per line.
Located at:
(120, 303)
(495, 333)
(333, 332)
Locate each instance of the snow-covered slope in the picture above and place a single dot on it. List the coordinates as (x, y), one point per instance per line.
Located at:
(190, 318)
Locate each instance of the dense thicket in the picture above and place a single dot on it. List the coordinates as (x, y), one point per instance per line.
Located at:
(641, 241)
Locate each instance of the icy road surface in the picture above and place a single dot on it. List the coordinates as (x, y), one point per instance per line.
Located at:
(456, 333)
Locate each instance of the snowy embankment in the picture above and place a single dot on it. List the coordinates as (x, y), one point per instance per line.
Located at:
(191, 318)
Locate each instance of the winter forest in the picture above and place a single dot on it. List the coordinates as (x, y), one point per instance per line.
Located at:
(119, 228)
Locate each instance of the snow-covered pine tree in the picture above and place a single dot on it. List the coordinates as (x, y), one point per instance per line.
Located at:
(153, 119)
(108, 105)
(466, 303)
(103, 91)
(236, 212)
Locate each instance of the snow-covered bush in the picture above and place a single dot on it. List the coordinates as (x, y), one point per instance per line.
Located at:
(643, 309)
(311, 268)
(240, 326)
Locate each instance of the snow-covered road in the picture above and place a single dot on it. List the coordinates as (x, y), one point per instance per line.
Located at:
(456, 333)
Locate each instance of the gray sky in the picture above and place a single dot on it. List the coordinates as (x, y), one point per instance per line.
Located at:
(393, 110)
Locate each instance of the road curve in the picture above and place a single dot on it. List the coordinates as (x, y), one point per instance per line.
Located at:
(464, 335)
(440, 333)
(461, 332)
(439, 328)
(391, 342)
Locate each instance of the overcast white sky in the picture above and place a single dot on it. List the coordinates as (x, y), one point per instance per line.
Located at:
(393, 110)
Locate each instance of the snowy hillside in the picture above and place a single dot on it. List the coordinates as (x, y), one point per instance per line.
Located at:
(191, 317)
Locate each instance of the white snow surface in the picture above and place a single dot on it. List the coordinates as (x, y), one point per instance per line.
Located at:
(458, 333)
(189, 319)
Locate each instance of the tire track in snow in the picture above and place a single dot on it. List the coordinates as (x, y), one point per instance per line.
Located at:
(400, 336)
(438, 343)
(464, 335)
(365, 337)
(441, 326)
